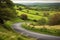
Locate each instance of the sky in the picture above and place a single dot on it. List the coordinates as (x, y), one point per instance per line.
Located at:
(36, 1)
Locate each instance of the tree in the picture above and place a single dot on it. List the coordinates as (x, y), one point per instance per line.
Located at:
(42, 21)
(6, 3)
(23, 16)
(55, 19)
(46, 14)
(7, 11)
(37, 13)
(20, 8)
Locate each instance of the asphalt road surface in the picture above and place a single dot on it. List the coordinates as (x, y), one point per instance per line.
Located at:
(18, 28)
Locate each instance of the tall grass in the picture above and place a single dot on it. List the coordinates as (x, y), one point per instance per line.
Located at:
(55, 32)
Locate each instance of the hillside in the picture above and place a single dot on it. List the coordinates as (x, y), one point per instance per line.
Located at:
(44, 15)
(41, 6)
(7, 18)
(36, 14)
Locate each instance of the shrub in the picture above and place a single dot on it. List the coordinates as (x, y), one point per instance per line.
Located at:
(46, 14)
(7, 25)
(37, 13)
(24, 16)
(55, 19)
(35, 20)
(42, 21)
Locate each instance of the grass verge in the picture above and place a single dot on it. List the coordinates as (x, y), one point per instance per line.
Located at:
(55, 32)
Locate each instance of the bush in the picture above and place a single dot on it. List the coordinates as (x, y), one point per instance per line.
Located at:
(43, 30)
(7, 25)
(46, 14)
(55, 19)
(35, 20)
(42, 21)
(24, 16)
(37, 13)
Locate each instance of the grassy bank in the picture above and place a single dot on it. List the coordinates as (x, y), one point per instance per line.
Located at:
(7, 33)
(43, 29)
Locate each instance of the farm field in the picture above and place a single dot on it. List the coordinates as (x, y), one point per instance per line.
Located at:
(39, 18)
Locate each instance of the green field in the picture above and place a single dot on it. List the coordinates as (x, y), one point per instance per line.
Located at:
(37, 14)
(39, 19)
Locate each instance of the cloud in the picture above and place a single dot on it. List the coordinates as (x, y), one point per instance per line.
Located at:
(36, 0)
(32, 1)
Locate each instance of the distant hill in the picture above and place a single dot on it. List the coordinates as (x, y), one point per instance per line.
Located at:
(42, 5)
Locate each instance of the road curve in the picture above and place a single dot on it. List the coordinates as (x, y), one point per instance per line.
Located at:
(17, 27)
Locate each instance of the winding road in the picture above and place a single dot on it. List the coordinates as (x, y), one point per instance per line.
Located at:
(17, 27)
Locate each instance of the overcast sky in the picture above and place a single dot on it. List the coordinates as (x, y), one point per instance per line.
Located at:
(34, 1)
